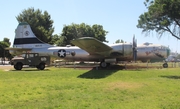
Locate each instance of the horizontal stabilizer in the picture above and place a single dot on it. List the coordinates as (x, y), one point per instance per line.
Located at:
(18, 51)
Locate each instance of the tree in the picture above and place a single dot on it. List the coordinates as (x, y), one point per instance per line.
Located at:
(62, 41)
(99, 33)
(55, 38)
(74, 31)
(41, 23)
(4, 53)
(163, 16)
(7, 41)
(4, 44)
(119, 41)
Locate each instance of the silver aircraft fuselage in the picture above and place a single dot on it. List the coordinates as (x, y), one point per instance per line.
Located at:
(73, 53)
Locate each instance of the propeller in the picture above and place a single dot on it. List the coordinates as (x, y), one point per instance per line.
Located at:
(134, 47)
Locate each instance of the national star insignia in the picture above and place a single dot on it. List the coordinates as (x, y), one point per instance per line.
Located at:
(62, 53)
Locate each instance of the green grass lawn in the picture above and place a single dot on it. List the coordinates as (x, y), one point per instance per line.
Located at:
(69, 88)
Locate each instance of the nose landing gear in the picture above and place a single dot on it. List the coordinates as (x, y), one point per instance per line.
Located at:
(165, 65)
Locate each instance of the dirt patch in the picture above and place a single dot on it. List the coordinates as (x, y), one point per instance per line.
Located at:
(6, 67)
(123, 85)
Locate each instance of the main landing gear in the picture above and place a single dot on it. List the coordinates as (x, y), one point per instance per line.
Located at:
(103, 64)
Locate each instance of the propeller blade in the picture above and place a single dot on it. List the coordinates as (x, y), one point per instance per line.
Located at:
(134, 49)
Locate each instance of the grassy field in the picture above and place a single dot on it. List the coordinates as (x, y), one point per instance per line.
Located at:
(68, 88)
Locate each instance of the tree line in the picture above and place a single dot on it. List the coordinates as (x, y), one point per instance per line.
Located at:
(42, 26)
(162, 16)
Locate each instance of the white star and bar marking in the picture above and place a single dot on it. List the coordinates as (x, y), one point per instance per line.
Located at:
(62, 53)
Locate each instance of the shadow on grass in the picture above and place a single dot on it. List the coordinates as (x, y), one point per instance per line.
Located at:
(100, 73)
(171, 77)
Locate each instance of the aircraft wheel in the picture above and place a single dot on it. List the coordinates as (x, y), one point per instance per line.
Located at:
(18, 66)
(104, 64)
(41, 66)
(165, 65)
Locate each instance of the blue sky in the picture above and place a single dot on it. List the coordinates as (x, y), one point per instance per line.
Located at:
(118, 17)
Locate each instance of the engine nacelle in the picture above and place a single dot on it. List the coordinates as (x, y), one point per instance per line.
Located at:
(128, 52)
(123, 50)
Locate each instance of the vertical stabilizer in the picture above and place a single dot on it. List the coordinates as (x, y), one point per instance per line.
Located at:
(25, 38)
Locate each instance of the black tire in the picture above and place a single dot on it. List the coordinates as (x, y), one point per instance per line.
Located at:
(104, 64)
(165, 65)
(41, 66)
(15, 67)
(18, 66)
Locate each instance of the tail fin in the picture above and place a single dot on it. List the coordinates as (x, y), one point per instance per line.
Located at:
(25, 38)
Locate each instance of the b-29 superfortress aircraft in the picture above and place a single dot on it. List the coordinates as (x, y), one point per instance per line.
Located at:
(86, 49)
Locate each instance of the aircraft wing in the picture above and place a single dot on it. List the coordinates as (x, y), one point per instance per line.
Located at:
(91, 45)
